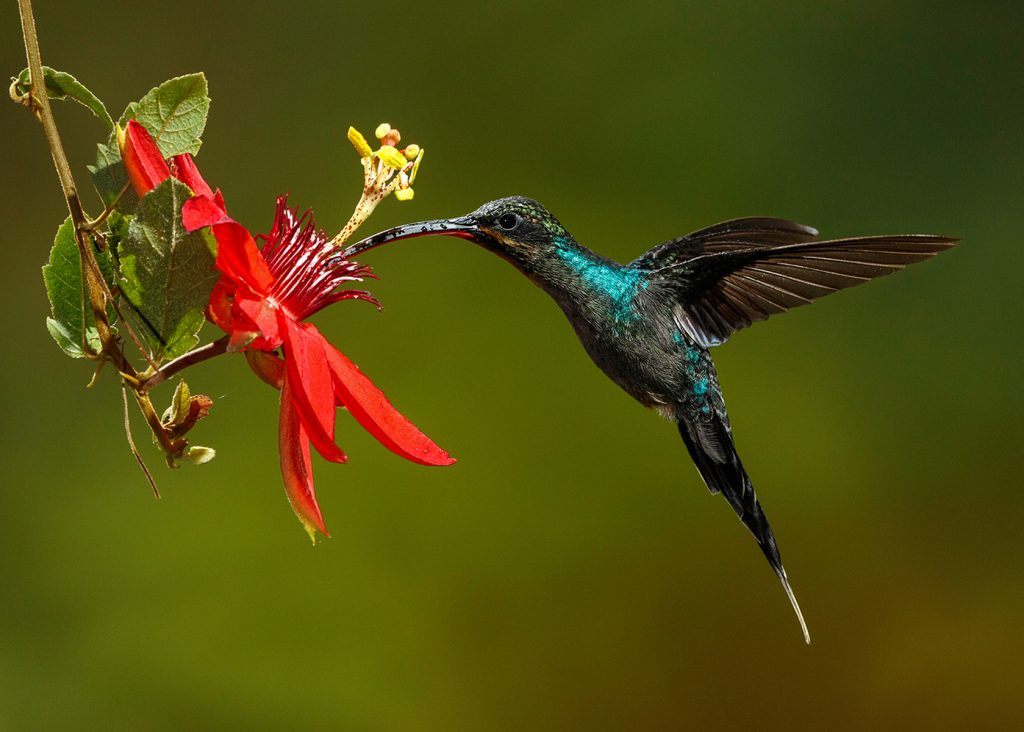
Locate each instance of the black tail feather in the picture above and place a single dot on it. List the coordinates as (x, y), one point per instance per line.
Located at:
(710, 445)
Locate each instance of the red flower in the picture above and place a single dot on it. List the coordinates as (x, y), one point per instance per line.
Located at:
(261, 301)
(147, 168)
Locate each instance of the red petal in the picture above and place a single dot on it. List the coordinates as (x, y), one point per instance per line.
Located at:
(312, 387)
(296, 468)
(200, 211)
(218, 311)
(239, 258)
(142, 159)
(263, 319)
(186, 171)
(267, 366)
(375, 413)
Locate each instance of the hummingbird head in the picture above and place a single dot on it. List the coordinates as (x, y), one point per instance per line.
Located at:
(517, 229)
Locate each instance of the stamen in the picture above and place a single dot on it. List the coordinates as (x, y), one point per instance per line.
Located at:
(307, 269)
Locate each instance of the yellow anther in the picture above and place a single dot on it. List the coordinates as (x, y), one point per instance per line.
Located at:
(359, 143)
(404, 194)
(382, 130)
(391, 157)
(412, 151)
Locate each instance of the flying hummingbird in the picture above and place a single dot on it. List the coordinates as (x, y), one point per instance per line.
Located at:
(649, 324)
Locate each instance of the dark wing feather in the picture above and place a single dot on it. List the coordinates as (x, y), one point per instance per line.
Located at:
(727, 236)
(725, 283)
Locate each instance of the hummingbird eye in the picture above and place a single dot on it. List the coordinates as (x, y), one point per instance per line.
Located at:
(509, 221)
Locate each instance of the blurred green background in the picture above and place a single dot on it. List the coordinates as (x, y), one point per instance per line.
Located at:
(571, 571)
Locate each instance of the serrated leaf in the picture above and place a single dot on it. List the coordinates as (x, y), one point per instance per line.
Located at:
(166, 273)
(72, 323)
(174, 113)
(60, 85)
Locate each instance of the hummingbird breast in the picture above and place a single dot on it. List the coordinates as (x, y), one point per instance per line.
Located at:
(643, 351)
(626, 325)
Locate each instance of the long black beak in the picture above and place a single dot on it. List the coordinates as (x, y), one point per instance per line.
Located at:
(463, 227)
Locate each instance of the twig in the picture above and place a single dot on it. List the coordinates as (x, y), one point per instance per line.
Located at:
(131, 443)
(169, 369)
(95, 223)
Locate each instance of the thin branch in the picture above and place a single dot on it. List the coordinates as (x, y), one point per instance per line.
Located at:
(131, 443)
(171, 446)
(95, 223)
(169, 369)
(41, 104)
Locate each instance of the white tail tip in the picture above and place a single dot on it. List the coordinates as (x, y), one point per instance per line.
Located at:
(796, 607)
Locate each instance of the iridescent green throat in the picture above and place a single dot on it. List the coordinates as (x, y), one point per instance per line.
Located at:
(618, 283)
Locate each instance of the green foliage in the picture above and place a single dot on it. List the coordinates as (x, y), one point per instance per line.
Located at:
(174, 113)
(61, 85)
(110, 178)
(166, 273)
(178, 410)
(71, 323)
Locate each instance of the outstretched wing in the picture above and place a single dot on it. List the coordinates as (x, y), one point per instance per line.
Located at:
(732, 274)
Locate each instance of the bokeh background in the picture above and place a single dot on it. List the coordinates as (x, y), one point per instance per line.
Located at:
(571, 571)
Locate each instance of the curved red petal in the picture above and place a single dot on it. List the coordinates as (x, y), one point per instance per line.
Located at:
(201, 210)
(296, 469)
(239, 258)
(312, 386)
(143, 161)
(376, 414)
(267, 366)
(218, 311)
(186, 171)
(262, 317)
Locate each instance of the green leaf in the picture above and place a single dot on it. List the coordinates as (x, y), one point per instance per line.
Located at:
(110, 178)
(61, 85)
(178, 410)
(166, 273)
(72, 323)
(174, 113)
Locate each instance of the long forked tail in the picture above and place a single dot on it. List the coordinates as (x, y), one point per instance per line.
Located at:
(713, 452)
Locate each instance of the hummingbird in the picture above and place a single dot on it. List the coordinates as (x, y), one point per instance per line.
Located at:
(649, 325)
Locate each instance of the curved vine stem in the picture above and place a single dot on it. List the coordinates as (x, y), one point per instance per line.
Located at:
(96, 288)
(40, 104)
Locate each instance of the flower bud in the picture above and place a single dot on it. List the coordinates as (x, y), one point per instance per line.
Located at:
(143, 161)
(197, 454)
